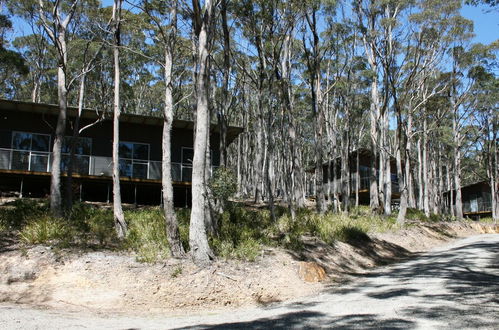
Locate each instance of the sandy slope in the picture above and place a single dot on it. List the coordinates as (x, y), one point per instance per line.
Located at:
(110, 282)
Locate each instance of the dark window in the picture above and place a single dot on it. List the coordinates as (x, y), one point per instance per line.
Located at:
(83, 145)
(126, 150)
(126, 167)
(141, 151)
(133, 159)
(21, 141)
(31, 151)
(187, 156)
(40, 142)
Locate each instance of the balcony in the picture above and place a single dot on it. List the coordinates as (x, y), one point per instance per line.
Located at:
(364, 183)
(475, 206)
(36, 161)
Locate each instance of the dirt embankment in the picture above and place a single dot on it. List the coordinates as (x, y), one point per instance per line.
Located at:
(107, 281)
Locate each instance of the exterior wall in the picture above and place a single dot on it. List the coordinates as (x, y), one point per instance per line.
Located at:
(477, 198)
(93, 179)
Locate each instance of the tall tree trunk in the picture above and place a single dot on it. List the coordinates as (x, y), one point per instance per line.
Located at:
(119, 217)
(420, 176)
(172, 231)
(425, 169)
(76, 129)
(55, 171)
(226, 99)
(198, 239)
(457, 159)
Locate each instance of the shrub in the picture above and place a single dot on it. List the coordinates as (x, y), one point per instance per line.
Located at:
(242, 233)
(101, 226)
(415, 214)
(146, 235)
(17, 213)
(223, 183)
(183, 219)
(46, 230)
(331, 227)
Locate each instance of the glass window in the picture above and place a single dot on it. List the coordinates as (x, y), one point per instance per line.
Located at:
(39, 162)
(20, 160)
(126, 167)
(83, 145)
(140, 170)
(30, 141)
(187, 174)
(40, 142)
(133, 159)
(21, 141)
(140, 151)
(126, 149)
(187, 156)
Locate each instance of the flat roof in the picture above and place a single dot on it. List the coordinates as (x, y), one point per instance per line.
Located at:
(53, 109)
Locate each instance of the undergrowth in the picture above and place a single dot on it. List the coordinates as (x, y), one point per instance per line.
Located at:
(242, 232)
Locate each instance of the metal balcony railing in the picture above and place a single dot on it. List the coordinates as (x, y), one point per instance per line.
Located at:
(365, 183)
(472, 206)
(11, 159)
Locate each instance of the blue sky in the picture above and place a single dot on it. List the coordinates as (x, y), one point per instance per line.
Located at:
(486, 22)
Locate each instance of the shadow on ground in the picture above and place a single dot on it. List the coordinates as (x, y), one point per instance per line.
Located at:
(313, 320)
(467, 277)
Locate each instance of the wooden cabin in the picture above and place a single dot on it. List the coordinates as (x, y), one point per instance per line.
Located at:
(476, 199)
(361, 157)
(26, 139)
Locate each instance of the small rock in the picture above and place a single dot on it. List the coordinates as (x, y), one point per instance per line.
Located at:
(311, 272)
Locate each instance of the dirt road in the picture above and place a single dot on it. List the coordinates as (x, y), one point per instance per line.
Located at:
(455, 286)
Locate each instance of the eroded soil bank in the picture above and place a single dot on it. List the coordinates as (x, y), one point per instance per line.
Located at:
(107, 281)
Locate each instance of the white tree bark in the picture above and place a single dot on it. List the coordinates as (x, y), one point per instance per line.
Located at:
(198, 239)
(119, 217)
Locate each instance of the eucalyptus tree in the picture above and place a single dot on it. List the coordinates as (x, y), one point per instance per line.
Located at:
(163, 19)
(11, 62)
(485, 101)
(427, 35)
(55, 19)
(39, 56)
(313, 58)
(119, 217)
(202, 26)
(376, 19)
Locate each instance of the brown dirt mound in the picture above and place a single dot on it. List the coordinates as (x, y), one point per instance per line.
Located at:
(107, 281)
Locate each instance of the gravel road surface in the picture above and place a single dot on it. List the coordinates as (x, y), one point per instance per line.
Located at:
(453, 287)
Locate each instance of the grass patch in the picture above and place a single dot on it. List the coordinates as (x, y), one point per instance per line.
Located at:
(46, 230)
(146, 234)
(242, 234)
(15, 215)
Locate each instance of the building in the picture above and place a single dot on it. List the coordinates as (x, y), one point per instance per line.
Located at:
(360, 176)
(26, 138)
(476, 199)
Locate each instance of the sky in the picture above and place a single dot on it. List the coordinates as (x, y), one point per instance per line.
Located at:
(486, 22)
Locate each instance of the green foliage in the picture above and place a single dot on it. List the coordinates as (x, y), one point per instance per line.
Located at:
(331, 227)
(147, 235)
(16, 214)
(183, 219)
(46, 229)
(242, 233)
(223, 183)
(176, 272)
(415, 214)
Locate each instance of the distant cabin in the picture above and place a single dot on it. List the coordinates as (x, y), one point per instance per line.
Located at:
(476, 200)
(360, 164)
(26, 139)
